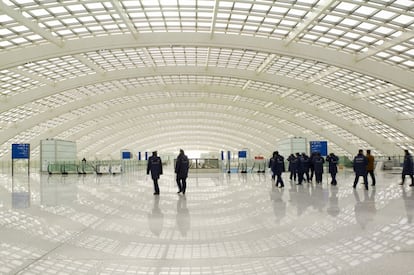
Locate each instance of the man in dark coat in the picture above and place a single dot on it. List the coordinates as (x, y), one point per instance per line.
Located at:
(155, 166)
(318, 162)
(292, 166)
(333, 167)
(278, 167)
(360, 168)
(181, 169)
(408, 169)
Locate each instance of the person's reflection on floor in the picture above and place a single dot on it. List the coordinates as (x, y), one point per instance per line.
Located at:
(183, 216)
(365, 210)
(279, 205)
(333, 208)
(156, 218)
(409, 204)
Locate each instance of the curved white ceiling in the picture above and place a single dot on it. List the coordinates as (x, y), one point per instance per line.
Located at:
(207, 75)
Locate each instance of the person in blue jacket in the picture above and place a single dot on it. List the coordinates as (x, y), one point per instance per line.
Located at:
(181, 169)
(306, 166)
(300, 167)
(333, 167)
(318, 162)
(292, 166)
(155, 167)
(278, 167)
(360, 168)
(408, 169)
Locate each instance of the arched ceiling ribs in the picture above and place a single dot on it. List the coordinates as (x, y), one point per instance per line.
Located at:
(311, 17)
(304, 123)
(30, 25)
(383, 115)
(408, 35)
(367, 66)
(152, 137)
(296, 104)
(234, 123)
(130, 25)
(157, 138)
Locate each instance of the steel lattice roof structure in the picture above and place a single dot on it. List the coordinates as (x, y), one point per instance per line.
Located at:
(207, 75)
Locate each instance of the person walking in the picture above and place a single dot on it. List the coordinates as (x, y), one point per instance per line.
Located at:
(318, 162)
(292, 166)
(360, 168)
(278, 167)
(155, 167)
(407, 168)
(333, 167)
(370, 166)
(181, 169)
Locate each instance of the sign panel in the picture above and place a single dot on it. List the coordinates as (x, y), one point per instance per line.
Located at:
(21, 151)
(319, 146)
(242, 154)
(126, 155)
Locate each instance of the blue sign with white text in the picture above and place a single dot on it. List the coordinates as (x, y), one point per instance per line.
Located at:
(126, 155)
(21, 151)
(319, 146)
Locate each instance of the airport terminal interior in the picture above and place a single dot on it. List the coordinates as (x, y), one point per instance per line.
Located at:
(229, 82)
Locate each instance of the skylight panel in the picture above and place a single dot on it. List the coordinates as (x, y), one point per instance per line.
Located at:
(296, 12)
(86, 19)
(20, 29)
(384, 31)
(95, 6)
(366, 26)
(331, 19)
(53, 23)
(5, 18)
(365, 11)
(57, 10)
(404, 20)
(350, 22)
(345, 7)
(5, 32)
(39, 12)
(259, 7)
(242, 6)
(386, 15)
(76, 8)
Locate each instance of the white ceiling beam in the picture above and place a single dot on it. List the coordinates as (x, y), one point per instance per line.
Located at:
(265, 63)
(323, 74)
(35, 77)
(377, 92)
(369, 66)
(90, 64)
(364, 107)
(30, 25)
(312, 16)
(387, 45)
(232, 92)
(214, 17)
(130, 25)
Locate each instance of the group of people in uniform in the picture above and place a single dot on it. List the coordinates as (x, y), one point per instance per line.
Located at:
(303, 167)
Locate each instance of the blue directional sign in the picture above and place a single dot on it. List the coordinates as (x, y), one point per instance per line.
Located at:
(242, 154)
(319, 146)
(21, 151)
(126, 155)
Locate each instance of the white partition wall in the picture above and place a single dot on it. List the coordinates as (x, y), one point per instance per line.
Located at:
(291, 146)
(54, 150)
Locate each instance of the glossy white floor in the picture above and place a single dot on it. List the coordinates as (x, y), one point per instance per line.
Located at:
(226, 224)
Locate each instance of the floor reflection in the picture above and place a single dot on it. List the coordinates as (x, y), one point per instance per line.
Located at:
(225, 224)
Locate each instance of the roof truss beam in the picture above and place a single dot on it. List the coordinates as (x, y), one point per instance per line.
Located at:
(30, 25)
